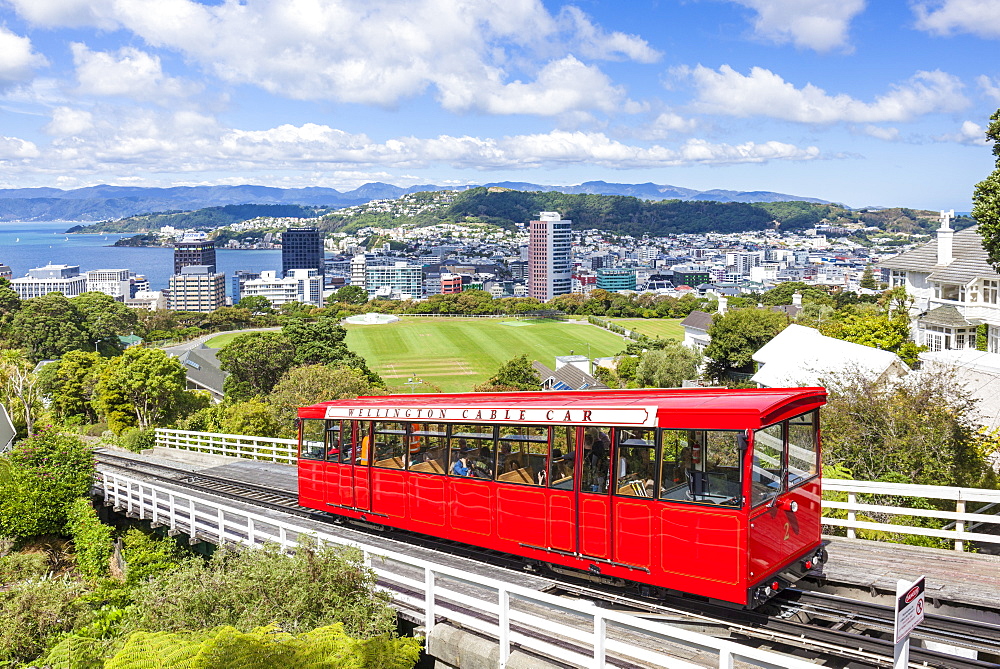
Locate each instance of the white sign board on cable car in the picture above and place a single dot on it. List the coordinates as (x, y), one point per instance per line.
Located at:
(7, 430)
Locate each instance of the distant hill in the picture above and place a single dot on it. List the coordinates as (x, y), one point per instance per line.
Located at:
(98, 203)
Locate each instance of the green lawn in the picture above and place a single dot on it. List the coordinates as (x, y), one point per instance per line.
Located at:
(666, 328)
(222, 339)
(456, 354)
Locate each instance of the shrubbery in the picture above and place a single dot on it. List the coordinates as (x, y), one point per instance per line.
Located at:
(91, 537)
(47, 472)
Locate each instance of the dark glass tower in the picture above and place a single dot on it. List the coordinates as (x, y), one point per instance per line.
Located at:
(187, 254)
(302, 248)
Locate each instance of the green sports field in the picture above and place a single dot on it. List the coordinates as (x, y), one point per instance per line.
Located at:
(666, 328)
(456, 354)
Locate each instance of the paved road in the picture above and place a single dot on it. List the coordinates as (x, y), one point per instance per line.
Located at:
(178, 349)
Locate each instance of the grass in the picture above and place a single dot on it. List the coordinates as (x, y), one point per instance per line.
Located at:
(456, 354)
(222, 339)
(666, 328)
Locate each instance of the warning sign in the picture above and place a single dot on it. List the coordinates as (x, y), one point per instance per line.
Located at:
(909, 607)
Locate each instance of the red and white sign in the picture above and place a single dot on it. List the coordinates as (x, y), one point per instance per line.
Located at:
(909, 607)
(571, 415)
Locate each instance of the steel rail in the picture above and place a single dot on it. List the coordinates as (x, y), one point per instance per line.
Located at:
(774, 629)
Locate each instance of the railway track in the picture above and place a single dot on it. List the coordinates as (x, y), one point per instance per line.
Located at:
(805, 623)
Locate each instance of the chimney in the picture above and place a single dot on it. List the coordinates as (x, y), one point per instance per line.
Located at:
(796, 299)
(945, 238)
(722, 305)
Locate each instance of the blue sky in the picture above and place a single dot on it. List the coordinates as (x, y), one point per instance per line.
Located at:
(855, 101)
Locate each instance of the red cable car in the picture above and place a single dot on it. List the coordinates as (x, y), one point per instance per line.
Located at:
(712, 492)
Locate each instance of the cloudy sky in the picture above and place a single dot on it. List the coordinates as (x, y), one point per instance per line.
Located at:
(866, 102)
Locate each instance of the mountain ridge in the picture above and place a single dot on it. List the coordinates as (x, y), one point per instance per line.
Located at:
(103, 201)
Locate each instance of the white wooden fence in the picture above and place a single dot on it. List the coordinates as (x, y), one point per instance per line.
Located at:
(285, 451)
(569, 630)
(958, 531)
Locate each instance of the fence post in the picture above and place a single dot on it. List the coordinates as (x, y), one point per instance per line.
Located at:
(600, 633)
(504, 627)
(960, 525)
(852, 498)
(726, 659)
(428, 600)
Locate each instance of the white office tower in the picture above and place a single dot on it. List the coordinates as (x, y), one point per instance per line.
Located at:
(550, 257)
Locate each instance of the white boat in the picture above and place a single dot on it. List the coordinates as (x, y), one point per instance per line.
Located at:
(17, 239)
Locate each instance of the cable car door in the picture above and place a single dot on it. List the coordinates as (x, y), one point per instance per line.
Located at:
(594, 501)
(361, 471)
(338, 467)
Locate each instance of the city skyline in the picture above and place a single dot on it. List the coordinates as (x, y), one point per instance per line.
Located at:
(857, 102)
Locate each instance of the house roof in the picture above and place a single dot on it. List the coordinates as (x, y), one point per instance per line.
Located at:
(801, 356)
(969, 259)
(202, 368)
(566, 377)
(945, 315)
(698, 320)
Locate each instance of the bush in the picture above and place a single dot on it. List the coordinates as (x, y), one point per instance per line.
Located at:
(47, 472)
(136, 440)
(22, 566)
(91, 537)
(34, 614)
(249, 589)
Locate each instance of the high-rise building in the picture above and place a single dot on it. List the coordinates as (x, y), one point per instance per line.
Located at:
(550, 260)
(191, 253)
(65, 279)
(299, 285)
(616, 280)
(113, 282)
(302, 248)
(399, 281)
(197, 288)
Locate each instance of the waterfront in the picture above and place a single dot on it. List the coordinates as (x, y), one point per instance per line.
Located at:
(28, 244)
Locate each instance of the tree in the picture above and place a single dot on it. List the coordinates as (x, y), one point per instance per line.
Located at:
(255, 362)
(736, 336)
(323, 343)
(148, 380)
(48, 326)
(311, 384)
(668, 367)
(921, 427)
(47, 472)
(986, 199)
(105, 319)
(10, 303)
(516, 374)
(19, 382)
(256, 304)
(868, 279)
(349, 295)
(253, 417)
(73, 384)
(230, 318)
(889, 333)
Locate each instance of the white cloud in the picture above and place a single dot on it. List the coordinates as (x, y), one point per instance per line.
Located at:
(127, 73)
(667, 124)
(878, 132)
(13, 148)
(562, 86)
(990, 87)
(970, 133)
(18, 59)
(821, 25)
(376, 53)
(764, 93)
(140, 142)
(949, 17)
(593, 42)
(67, 122)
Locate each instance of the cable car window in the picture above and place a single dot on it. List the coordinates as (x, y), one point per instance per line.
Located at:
(472, 451)
(334, 442)
(428, 448)
(563, 455)
(767, 474)
(523, 454)
(635, 473)
(390, 445)
(803, 454)
(312, 439)
(701, 466)
(596, 459)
